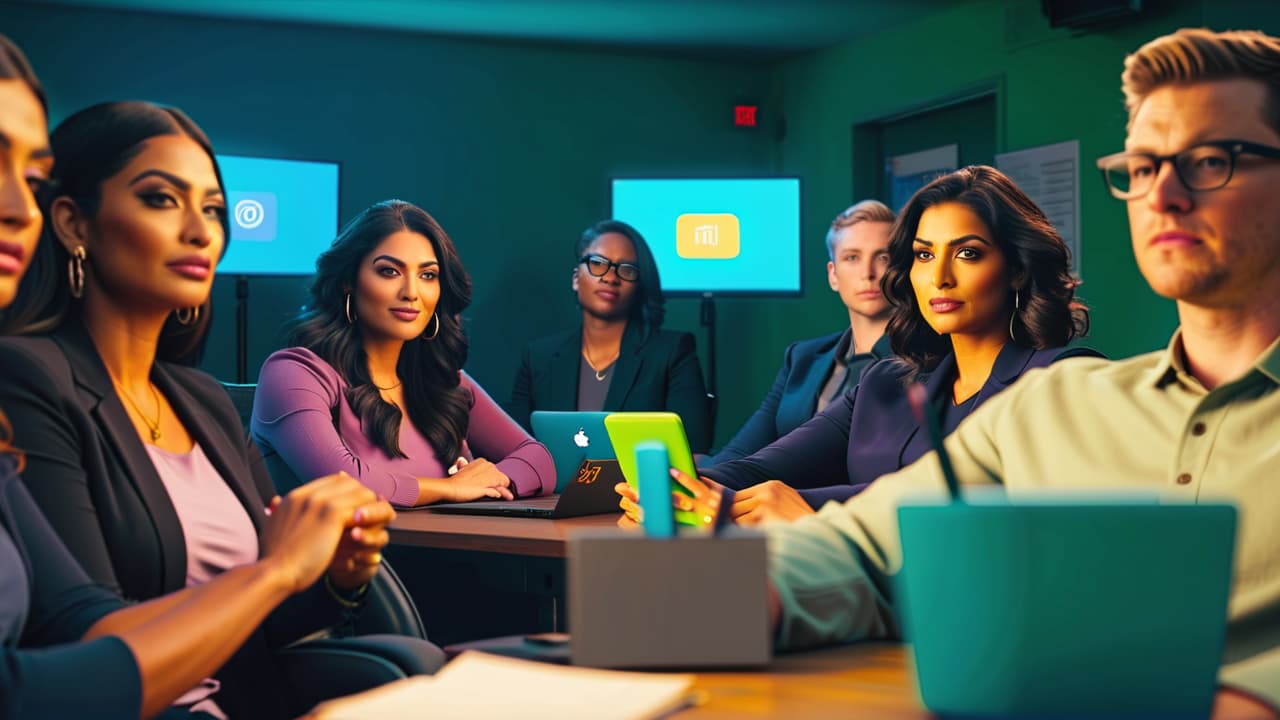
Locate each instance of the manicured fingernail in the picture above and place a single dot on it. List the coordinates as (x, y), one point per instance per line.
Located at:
(675, 472)
(359, 515)
(356, 533)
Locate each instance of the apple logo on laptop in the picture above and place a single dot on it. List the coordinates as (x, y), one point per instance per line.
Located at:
(580, 439)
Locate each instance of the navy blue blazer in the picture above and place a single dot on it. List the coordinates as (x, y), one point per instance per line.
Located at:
(872, 431)
(658, 373)
(793, 399)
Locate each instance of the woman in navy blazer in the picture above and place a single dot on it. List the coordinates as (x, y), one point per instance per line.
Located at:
(619, 358)
(981, 289)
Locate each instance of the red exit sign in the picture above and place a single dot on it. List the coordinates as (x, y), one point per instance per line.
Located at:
(745, 115)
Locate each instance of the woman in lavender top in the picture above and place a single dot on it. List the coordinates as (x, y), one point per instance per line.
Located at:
(381, 342)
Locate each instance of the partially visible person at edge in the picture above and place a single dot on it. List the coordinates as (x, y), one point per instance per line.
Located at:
(982, 293)
(140, 463)
(620, 358)
(374, 385)
(72, 648)
(817, 371)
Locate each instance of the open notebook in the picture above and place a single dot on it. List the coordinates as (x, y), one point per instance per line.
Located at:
(479, 685)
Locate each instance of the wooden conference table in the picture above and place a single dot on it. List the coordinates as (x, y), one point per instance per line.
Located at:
(530, 537)
(867, 680)
(873, 680)
(475, 576)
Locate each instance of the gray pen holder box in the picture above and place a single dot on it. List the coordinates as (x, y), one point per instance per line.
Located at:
(687, 601)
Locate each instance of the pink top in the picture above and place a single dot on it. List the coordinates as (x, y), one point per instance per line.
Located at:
(293, 415)
(215, 526)
(216, 529)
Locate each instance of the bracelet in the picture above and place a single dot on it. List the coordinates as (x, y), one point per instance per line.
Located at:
(352, 600)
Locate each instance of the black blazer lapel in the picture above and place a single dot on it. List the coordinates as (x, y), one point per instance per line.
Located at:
(816, 374)
(97, 397)
(195, 416)
(562, 373)
(626, 369)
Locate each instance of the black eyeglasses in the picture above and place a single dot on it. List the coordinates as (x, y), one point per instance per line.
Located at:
(1207, 166)
(599, 265)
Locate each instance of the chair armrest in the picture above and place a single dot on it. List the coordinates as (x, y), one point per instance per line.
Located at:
(319, 670)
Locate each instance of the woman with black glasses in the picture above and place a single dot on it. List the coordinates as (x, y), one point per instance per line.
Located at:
(620, 358)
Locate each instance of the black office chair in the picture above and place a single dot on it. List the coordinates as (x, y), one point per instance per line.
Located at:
(388, 608)
(385, 641)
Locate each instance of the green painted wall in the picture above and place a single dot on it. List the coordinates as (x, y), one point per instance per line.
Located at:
(1051, 85)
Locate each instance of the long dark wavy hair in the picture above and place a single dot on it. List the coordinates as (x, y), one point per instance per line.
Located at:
(648, 307)
(14, 66)
(90, 147)
(429, 369)
(1036, 257)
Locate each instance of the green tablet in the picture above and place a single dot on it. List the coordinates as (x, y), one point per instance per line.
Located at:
(629, 429)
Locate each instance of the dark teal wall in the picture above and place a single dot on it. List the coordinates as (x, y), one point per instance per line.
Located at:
(509, 146)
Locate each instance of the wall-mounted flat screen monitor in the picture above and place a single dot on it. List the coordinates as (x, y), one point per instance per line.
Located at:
(726, 236)
(283, 214)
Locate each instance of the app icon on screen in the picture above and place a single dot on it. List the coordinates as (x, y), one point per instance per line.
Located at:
(709, 236)
(253, 216)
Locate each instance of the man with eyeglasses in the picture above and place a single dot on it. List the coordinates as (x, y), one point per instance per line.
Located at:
(1199, 419)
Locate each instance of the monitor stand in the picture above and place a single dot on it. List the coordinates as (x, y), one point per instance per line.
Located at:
(242, 329)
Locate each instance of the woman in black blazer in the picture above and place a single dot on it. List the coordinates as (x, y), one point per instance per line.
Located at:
(619, 358)
(68, 647)
(135, 222)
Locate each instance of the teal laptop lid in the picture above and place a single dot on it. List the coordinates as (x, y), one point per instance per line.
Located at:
(572, 437)
(1066, 607)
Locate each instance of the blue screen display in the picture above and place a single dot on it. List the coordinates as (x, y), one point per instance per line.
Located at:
(283, 214)
(717, 235)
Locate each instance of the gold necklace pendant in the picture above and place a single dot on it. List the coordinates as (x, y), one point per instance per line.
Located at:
(600, 374)
(154, 427)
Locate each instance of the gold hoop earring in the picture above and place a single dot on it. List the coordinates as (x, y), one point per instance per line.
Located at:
(350, 320)
(188, 316)
(1014, 315)
(432, 336)
(75, 271)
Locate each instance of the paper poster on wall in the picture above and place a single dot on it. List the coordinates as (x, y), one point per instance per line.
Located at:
(912, 171)
(1050, 176)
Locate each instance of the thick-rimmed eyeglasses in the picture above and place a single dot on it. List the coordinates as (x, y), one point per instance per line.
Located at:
(598, 265)
(1207, 166)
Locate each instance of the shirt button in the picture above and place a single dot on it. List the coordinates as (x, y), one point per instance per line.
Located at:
(1197, 429)
(1184, 478)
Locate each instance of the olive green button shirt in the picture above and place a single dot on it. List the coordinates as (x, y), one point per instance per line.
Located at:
(1083, 423)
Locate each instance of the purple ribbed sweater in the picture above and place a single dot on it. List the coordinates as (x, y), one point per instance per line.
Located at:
(297, 392)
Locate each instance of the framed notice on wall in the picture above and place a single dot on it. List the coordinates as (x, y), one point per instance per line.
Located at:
(912, 171)
(1050, 176)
